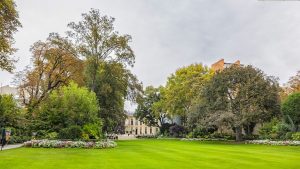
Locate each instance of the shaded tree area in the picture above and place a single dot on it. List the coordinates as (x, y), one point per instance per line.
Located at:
(241, 97)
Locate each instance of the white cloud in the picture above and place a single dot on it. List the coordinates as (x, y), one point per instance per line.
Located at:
(170, 34)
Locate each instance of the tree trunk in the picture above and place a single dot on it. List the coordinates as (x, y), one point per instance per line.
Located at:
(238, 133)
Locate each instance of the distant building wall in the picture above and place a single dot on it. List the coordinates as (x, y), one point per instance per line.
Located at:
(135, 127)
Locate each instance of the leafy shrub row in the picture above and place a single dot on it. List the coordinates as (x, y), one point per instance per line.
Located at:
(69, 144)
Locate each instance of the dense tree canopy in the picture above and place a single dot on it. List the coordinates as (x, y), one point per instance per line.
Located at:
(240, 96)
(291, 109)
(68, 106)
(54, 65)
(114, 84)
(150, 109)
(9, 24)
(97, 41)
(183, 87)
(9, 111)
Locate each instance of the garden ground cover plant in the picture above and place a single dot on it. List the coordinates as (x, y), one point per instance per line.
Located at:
(157, 154)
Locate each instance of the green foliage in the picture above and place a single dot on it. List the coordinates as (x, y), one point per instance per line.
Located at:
(202, 131)
(72, 132)
(150, 107)
(241, 95)
(107, 56)
(275, 129)
(10, 115)
(113, 86)
(68, 106)
(183, 87)
(14, 139)
(9, 24)
(296, 136)
(52, 135)
(291, 109)
(92, 131)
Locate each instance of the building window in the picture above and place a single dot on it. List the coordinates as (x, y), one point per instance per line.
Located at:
(136, 122)
(131, 121)
(150, 130)
(156, 130)
(145, 130)
(141, 130)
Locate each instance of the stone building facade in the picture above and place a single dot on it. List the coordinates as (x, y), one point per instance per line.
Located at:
(137, 128)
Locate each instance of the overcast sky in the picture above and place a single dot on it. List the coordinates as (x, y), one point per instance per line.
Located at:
(170, 34)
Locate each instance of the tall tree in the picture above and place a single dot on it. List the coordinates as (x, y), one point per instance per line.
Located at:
(98, 42)
(240, 96)
(9, 24)
(114, 85)
(107, 55)
(54, 65)
(183, 87)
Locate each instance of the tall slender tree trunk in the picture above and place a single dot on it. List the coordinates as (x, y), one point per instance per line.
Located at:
(238, 133)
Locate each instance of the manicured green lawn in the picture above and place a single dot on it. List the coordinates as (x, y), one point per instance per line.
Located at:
(156, 154)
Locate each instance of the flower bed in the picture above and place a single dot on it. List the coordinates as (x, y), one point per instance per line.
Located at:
(277, 143)
(69, 144)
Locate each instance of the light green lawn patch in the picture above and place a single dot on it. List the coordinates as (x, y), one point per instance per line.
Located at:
(156, 154)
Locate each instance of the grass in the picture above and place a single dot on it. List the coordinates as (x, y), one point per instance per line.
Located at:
(156, 154)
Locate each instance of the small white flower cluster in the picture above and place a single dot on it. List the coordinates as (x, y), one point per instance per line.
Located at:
(277, 143)
(69, 144)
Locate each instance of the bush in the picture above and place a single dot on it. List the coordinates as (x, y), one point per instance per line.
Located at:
(274, 130)
(41, 134)
(296, 136)
(92, 131)
(201, 131)
(52, 135)
(177, 131)
(18, 139)
(72, 132)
